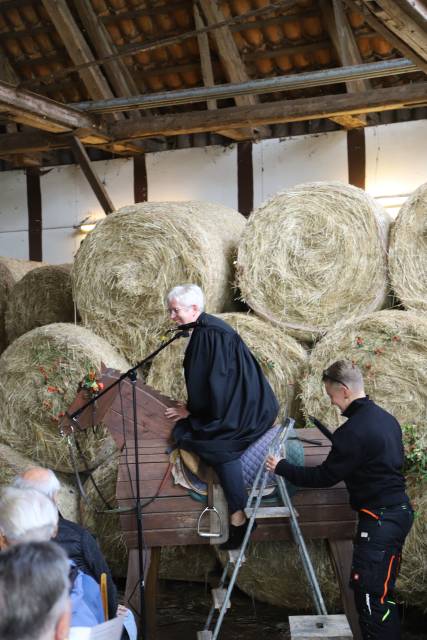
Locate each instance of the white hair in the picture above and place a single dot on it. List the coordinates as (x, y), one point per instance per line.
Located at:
(49, 485)
(27, 515)
(187, 295)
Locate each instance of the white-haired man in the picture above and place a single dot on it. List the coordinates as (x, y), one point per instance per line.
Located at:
(78, 543)
(27, 515)
(367, 454)
(230, 402)
(34, 592)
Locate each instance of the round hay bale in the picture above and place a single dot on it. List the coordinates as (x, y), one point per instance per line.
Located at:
(11, 271)
(390, 347)
(43, 296)
(273, 573)
(313, 255)
(191, 564)
(39, 378)
(282, 358)
(105, 526)
(408, 252)
(412, 582)
(13, 463)
(126, 266)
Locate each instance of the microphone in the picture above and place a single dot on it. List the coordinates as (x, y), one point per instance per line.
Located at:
(183, 327)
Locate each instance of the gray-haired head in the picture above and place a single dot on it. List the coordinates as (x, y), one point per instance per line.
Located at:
(345, 373)
(34, 588)
(187, 295)
(26, 515)
(40, 479)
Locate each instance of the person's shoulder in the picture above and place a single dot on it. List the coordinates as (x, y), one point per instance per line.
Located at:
(213, 323)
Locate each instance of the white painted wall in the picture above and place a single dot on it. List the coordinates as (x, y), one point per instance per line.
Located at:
(208, 174)
(396, 163)
(282, 163)
(67, 199)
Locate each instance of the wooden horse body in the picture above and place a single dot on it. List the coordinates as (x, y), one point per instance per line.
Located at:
(170, 514)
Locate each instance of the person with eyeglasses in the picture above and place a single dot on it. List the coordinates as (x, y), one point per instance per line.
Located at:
(230, 402)
(367, 454)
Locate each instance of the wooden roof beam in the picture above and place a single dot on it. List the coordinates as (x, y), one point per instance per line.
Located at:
(78, 50)
(82, 158)
(383, 99)
(229, 54)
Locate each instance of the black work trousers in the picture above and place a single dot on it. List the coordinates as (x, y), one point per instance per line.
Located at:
(377, 553)
(230, 476)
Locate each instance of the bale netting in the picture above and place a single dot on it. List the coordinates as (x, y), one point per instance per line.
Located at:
(273, 573)
(412, 581)
(12, 463)
(11, 271)
(127, 265)
(313, 255)
(390, 347)
(39, 378)
(281, 357)
(105, 526)
(43, 296)
(408, 252)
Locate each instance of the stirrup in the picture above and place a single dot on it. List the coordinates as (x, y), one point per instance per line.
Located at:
(209, 534)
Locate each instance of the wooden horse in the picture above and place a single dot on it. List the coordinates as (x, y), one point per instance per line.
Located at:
(170, 514)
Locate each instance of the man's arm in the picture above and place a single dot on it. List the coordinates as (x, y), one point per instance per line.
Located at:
(343, 459)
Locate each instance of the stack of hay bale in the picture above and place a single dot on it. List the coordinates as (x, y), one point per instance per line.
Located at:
(312, 264)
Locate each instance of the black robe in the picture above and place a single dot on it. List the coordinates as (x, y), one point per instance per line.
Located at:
(231, 403)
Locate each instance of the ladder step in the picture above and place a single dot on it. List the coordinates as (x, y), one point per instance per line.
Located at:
(218, 597)
(204, 635)
(268, 512)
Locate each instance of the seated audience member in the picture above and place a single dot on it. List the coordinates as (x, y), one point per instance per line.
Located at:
(29, 516)
(79, 544)
(34, 592)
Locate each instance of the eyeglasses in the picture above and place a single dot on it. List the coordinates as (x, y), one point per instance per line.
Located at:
(326, 377)
(176, 309)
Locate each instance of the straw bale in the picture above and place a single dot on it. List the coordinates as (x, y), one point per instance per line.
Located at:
(105, 526)
(39, 377)
(43, 296)
(13, 463)
(390, 347)
(313, 255)
(412, 581)
(408, 252)
(191, 564)
(11, 271)
(273, 573)
(281, 357)
(126, 266)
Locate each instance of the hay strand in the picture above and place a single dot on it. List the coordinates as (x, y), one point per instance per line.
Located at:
(105, 526)
(126, 266)
(39, 377)
(13, 464)
(43, 296)
(282, 359)
(273, 573)
(390, 347)
(314, 255)
(408, 252)
(11, 271)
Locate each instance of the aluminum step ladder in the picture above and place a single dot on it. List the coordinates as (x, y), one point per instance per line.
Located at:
(221, 595)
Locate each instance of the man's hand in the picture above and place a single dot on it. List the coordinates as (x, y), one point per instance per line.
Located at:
(178, 412)
(271, 463)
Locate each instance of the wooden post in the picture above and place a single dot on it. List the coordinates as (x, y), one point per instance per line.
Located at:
(342, 553)
(151, 579)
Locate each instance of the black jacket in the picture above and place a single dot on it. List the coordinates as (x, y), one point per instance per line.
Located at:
(82, 547)
(230, 401)
(367, 454)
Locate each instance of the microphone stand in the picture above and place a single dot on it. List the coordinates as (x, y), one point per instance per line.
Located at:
(181, 332)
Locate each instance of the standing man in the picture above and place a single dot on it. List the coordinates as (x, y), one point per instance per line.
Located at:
(230, 402)
(367, 454)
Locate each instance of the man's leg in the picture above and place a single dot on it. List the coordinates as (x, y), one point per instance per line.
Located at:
(376, 560)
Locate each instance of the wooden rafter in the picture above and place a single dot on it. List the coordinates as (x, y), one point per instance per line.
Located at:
(82, 158)
(229, 54)
(78, 50)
